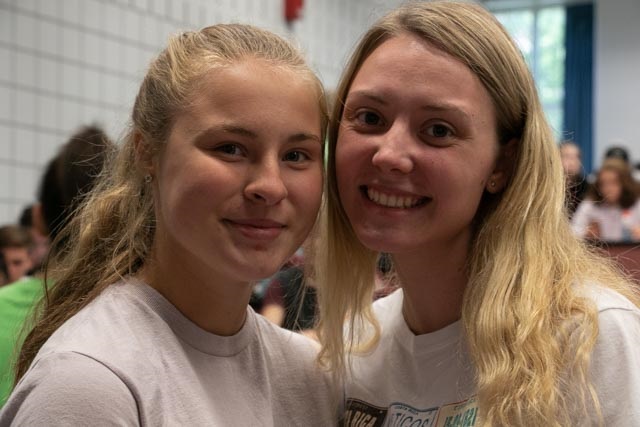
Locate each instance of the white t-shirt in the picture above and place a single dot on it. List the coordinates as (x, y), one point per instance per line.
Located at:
(131, 358)
(427, 380)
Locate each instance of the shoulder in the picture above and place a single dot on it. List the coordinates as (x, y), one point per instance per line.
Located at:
(68, 388)
(29, 288)
(607, 299)
(616, 357)
(617, 315)
(618, 327)
(284, 351)
(17, 302)
(587, 205)
(276, 338)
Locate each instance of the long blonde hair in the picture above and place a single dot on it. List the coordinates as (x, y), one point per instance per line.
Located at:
(522, 303)
(111, 235)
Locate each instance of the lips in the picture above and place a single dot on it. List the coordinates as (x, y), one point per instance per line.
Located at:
(393, 200)
(256, 228)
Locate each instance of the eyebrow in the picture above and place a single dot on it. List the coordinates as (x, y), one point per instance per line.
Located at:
(248, 133)
(435, 106)
(370, 95)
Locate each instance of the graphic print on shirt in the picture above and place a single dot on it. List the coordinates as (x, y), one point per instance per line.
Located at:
(362, 414)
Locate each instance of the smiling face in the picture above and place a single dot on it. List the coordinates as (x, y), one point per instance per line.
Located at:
(239, 182)
(416, 149)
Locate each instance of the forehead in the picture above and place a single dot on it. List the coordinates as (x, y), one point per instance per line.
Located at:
(15, 252)
(410, 70)
(569, 149)
(244, 74)
(262, 98)
(246, 79)
(608, 174)
(413, 52)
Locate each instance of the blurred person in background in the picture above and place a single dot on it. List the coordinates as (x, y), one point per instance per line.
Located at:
(575, 179)
(15, 245)
(611, 210)
(3, 270)
(65, 181)
(40, 246)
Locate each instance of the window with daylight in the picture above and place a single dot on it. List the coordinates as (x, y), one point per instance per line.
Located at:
(539, 34)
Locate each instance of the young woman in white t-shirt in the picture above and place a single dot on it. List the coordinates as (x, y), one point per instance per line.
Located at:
(440, 155)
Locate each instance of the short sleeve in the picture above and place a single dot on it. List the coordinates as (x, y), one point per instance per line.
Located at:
(616, 366)
(70, 389)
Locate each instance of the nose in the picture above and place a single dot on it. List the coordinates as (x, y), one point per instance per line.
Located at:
(266, 185)
(393, 154)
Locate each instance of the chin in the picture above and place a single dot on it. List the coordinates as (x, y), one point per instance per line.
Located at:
(378, 242)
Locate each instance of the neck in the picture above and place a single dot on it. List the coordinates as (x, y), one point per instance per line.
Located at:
(214, 304)
(433, 286)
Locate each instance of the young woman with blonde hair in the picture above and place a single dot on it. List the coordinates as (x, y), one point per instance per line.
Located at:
(440, 155)
(218, 182)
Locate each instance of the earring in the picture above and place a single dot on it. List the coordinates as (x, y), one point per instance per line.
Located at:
(148, 178)
(492, 184)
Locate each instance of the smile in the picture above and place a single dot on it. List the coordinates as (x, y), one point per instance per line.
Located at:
(393, 200)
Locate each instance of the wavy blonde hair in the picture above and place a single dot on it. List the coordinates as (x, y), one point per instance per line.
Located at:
(529, 331)
(111, 235)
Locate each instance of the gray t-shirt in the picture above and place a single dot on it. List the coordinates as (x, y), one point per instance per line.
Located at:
(131, 358)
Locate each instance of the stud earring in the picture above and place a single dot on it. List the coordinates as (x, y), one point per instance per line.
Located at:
(148, 178)
(492, 184)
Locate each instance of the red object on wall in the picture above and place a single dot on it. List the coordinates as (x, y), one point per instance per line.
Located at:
(292, 9)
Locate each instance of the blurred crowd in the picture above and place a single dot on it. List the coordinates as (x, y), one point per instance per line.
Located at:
(604, 205)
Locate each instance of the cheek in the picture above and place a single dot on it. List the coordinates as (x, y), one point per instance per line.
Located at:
(348, 158)
(307, 193)
(184, 192)
(312, 192)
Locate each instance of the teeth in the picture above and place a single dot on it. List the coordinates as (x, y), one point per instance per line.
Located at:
(392, 201)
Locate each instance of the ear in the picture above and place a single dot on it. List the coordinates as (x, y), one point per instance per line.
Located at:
(37, 218)
(144, 154)
(503, 170)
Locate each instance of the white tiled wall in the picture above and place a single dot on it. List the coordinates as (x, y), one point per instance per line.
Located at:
(67, 63)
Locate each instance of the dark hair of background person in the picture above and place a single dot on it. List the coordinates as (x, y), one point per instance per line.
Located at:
(15, 236)
(26, 219)
(3, 270)
(629, 193)
(66, 180)
(70, 175)
(617, 152)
